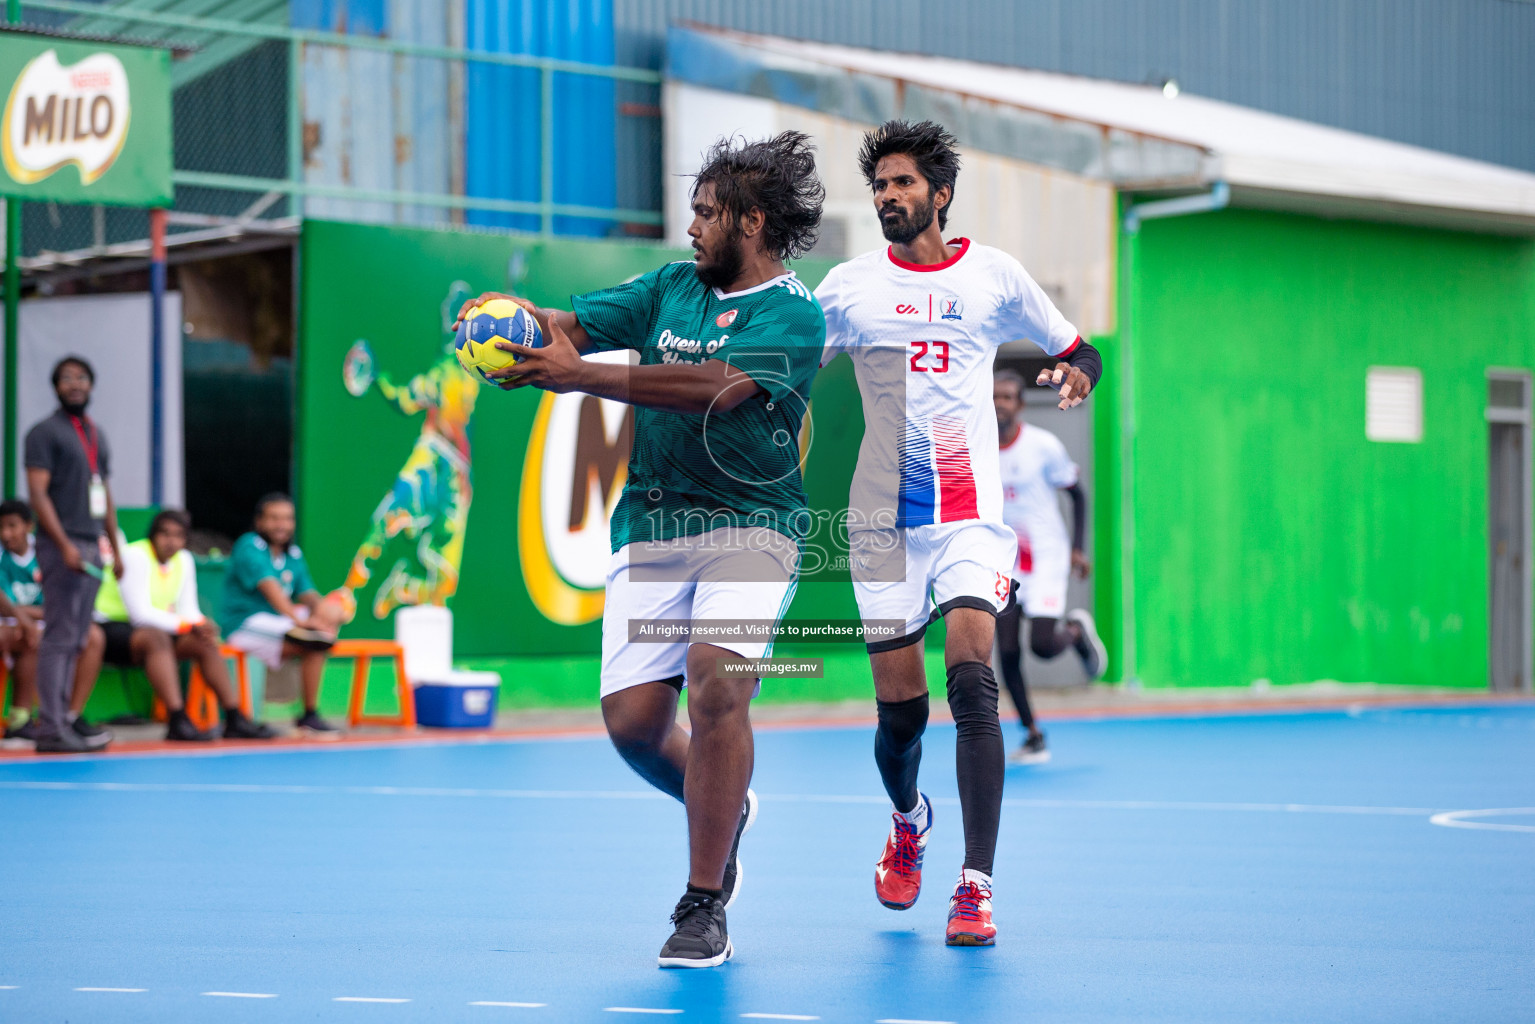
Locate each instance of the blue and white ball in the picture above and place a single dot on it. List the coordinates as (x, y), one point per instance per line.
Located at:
(483, 326)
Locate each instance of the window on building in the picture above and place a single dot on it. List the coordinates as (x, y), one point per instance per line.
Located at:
(1393, 404)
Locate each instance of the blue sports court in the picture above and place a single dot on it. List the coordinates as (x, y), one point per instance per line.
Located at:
(1369, 863)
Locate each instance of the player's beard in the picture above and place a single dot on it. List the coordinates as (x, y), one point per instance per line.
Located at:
(725, 264)
(903, 230)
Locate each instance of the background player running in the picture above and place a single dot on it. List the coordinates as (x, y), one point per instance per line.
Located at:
(1034, 465)
(709, 522)
(922, 321)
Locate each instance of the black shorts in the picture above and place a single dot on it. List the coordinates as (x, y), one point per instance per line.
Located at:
(119, 643)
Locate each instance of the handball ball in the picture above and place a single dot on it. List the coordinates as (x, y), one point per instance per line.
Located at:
(483, 326)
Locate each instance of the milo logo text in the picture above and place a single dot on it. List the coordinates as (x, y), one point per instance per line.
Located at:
(56, 116)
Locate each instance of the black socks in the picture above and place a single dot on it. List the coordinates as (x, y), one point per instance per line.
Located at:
(979, 759)
(1010, 655)
(978, 755)
(898, 748)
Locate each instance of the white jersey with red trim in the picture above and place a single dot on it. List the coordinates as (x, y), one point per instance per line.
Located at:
(1033, 468)
(923, 340)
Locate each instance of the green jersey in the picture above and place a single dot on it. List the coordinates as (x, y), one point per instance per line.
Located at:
(690, 473)
(251, 562)
(20, 578)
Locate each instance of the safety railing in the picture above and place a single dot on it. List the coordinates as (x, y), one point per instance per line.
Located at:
(220, 175)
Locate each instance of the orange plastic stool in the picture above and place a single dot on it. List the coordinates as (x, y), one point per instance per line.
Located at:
(363, 652)
(202, 702)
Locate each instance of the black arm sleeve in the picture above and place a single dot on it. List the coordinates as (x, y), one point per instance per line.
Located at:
(1078, 514)
(1087, 359)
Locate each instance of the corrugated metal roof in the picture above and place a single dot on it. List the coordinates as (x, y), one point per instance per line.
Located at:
(1454, 75)
(1268, 155)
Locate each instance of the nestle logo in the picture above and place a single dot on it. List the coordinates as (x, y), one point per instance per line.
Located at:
(905, 309)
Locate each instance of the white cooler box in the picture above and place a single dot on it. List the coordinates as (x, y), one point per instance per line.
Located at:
(446, 698)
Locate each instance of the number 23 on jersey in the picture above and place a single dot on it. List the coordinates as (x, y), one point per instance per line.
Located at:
(930, 357)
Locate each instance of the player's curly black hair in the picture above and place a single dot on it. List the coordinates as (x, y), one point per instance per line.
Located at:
(776, 176)
(930, 145)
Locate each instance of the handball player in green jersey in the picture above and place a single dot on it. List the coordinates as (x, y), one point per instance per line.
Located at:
(708, 529)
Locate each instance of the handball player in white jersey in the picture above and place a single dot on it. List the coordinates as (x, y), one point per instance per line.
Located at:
(922, 320)
(1034, 466)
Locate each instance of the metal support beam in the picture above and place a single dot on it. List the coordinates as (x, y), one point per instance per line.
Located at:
(157, 357)
(12, 309)
(243, 183)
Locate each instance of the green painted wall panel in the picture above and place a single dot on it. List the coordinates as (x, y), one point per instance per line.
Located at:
(1273, 541)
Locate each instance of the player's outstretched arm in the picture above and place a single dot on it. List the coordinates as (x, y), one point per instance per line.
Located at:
(672, 387)
(1079, 560)
(567, 320)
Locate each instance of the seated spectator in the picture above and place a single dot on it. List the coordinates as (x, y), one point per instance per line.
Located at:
(271, 608)
(21, 581)
(151, 618)
(21, 584)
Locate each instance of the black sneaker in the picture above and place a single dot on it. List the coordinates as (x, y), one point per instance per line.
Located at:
(309, 639)
(733, 870)
(1031, 751)
(1089, 647)
(22, 734)
(311, 722)
(180, 729)
(700, 939)
(239, 727)
(88, 729)
(71, 742)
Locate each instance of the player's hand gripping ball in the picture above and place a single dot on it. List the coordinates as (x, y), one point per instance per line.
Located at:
(483, 326)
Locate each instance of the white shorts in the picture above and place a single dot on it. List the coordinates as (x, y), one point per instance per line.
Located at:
(261, 636)
(716, 579)
(946, 566)
(1042, 576)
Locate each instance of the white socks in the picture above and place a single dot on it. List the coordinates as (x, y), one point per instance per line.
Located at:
(979, 878)
(919, 818)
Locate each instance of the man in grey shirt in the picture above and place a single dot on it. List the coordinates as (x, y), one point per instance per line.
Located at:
(67, 461)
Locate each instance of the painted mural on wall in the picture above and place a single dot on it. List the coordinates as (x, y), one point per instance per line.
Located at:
(427, 507)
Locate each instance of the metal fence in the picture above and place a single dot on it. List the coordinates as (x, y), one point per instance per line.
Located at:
(273, 123)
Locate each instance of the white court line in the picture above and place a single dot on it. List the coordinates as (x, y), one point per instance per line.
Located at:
(636, 1009)
(626, 794)
(367, 999)
(9, 987)
(779, 1016)
(94, 989)
(1459, 819)
(243, 995)
(521, 1006)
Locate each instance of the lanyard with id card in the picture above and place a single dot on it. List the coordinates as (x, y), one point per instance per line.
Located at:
(98, 488)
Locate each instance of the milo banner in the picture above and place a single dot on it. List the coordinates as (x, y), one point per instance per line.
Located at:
(419, 484)
(85, 122)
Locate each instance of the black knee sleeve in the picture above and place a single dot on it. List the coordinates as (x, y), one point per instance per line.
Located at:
(973, 698)
(898, 747)
(978, 759)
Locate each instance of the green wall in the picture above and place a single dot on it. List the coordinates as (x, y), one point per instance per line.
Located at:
(1273, 541)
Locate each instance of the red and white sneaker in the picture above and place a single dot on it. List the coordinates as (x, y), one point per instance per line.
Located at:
(898, 875)
(970, 911)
